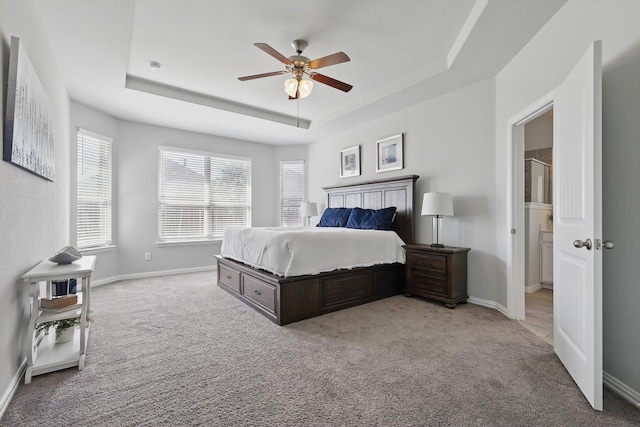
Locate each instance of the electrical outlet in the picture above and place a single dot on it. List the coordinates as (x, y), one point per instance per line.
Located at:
(147, 256)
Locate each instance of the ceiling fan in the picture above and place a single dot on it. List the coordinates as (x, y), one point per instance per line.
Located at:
(299, 65)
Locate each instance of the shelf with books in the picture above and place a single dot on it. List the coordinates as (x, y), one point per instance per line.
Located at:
(43, 358)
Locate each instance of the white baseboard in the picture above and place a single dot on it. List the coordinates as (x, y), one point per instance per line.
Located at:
(489, 304)
(117, 278)
(528, 289)
(11, 390)
(620, 388)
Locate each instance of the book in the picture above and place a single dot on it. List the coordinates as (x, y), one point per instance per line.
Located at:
(63, 287)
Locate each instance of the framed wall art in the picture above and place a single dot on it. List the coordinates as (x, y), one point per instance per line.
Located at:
(28, 131)
(389, 153)
(350, 162)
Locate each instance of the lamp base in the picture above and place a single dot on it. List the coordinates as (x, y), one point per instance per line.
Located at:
(436, 232)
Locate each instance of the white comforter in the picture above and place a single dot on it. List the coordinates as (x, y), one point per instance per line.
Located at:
(311, 250)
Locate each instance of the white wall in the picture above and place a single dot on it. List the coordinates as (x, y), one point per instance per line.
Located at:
(535, 72)
(34, 213)
(449, 143)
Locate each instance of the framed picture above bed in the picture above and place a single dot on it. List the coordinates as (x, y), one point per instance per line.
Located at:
(350, 162)
(389, 153)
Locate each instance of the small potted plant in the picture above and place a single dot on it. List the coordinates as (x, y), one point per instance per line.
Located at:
(64, 328)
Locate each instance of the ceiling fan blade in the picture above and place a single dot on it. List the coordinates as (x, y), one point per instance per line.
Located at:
(271, 51)
(336, 58)
(259, 76)
(331, 82)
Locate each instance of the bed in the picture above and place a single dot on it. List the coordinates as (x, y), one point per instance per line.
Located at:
(289, 294)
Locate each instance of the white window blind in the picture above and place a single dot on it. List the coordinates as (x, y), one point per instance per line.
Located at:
(93, 190)
(201, 194)
(291, 192)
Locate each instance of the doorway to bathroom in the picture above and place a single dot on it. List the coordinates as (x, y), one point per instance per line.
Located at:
(538, 214)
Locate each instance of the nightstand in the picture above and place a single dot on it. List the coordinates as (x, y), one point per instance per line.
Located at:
(437, 273)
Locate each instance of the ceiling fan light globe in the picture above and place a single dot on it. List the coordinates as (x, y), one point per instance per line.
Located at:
(290, 87)
(306, 86)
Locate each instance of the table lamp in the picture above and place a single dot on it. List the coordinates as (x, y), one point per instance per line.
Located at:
(437, 205)
(307, 210)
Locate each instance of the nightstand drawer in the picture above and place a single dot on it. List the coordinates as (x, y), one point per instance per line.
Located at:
(259, 292)
(433, 263)
(423, 282)
(229, 277)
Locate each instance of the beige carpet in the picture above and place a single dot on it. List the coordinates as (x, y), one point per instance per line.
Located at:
(178, 351)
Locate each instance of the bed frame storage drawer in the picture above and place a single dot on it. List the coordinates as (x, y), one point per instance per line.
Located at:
(285, 300)
(259, 292)
(344, 290)
(229, 277)
(389, 281)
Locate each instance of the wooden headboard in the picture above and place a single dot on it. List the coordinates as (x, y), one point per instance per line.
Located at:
(378, 194)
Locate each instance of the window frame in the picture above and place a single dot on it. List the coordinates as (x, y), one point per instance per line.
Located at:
(105, 198)
(282, 205)
(207, 203)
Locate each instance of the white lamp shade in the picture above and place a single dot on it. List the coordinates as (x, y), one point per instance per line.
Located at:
(308, 209)
(437, 204)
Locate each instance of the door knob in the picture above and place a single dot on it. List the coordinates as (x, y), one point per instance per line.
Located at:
(608, 244)
(581, 244)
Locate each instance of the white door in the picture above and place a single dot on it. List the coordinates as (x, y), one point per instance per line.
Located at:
(577, 217)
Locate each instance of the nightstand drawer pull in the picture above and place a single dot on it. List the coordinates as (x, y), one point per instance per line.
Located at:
(228, 277)
(257, 292)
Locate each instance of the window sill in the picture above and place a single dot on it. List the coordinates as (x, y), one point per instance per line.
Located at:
(188, 243)
(97, 250)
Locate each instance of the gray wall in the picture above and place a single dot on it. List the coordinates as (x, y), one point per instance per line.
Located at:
(531, 75)
(449, 143)
(138, 194)
(34, 213)
(136, 189)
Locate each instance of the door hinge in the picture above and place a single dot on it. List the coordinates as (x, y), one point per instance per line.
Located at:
(513, 231)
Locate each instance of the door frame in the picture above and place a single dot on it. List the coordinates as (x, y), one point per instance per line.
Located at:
(515, 204)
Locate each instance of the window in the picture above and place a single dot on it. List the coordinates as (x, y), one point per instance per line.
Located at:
(291, 192)
(201, 194)
(93, 190)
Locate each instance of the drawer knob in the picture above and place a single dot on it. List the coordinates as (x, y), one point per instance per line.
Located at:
(258, 292)
(228, 277)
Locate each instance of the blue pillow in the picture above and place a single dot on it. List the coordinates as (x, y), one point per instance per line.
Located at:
(370, 219)
(334, 217)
